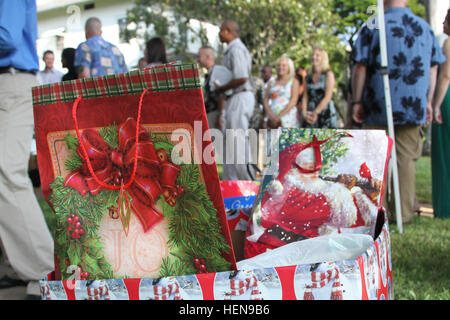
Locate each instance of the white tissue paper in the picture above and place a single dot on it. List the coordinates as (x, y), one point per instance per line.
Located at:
(328, 248)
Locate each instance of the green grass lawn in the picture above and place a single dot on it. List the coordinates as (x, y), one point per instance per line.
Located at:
(220, 170)
(423, 180)
(421, 259)
(421, 255)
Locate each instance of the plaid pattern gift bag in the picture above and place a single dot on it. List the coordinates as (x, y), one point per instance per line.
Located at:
(119, 163)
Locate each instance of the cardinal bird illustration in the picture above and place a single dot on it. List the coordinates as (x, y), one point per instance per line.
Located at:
(364, 172)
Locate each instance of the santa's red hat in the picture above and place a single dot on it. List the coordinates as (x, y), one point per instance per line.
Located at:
(288, 156)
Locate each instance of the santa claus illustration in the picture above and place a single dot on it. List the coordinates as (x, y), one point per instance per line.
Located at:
(298, 204)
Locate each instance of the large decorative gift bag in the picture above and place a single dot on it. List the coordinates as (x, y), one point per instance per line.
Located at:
(348, 260)
(119, 163)
(321, 182)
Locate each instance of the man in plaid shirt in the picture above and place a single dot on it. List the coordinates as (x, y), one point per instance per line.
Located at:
(97, 57)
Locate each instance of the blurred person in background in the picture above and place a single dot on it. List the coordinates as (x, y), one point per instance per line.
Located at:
(142, 63)
(96, 56)
(282, 95)
(240, 105)
(318, 107)
(67, 61)
(440, 135)
(24, 236)
(155, 52)
(214, 103)
(300, 74)
(413, 62)
(49, 74)
(266, 75)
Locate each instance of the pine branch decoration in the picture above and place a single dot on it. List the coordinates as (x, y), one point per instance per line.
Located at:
(109, 134)
(194, 228)
(73, 162)
(85, 252)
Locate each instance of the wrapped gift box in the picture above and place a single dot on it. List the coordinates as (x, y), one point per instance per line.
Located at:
(368, 277)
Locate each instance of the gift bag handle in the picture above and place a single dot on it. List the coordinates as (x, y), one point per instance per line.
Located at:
(83, 149)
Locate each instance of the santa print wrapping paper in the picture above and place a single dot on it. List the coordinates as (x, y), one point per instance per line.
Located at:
(321, 182)
(369, 277)
(168, 218)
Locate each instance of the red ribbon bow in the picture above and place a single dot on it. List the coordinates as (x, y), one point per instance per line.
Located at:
(154, 175)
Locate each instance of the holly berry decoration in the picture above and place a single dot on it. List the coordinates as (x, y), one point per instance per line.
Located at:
(75, 228)
(83, 274)
(200, 265)
(364, 171)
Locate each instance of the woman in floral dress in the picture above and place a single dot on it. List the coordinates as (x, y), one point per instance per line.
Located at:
(281, 96)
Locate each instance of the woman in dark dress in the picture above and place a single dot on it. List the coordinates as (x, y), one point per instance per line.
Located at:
(318, 108)
(440, 142)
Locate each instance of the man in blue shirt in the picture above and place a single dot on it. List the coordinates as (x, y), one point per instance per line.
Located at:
(25, 238)
(97, 57)
(413, 57)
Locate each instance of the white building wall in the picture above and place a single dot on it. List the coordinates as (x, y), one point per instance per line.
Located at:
(438, 11)
(61, 25)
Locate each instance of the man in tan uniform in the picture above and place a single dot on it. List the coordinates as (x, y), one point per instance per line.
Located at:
(240, 105)
(25, 238)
